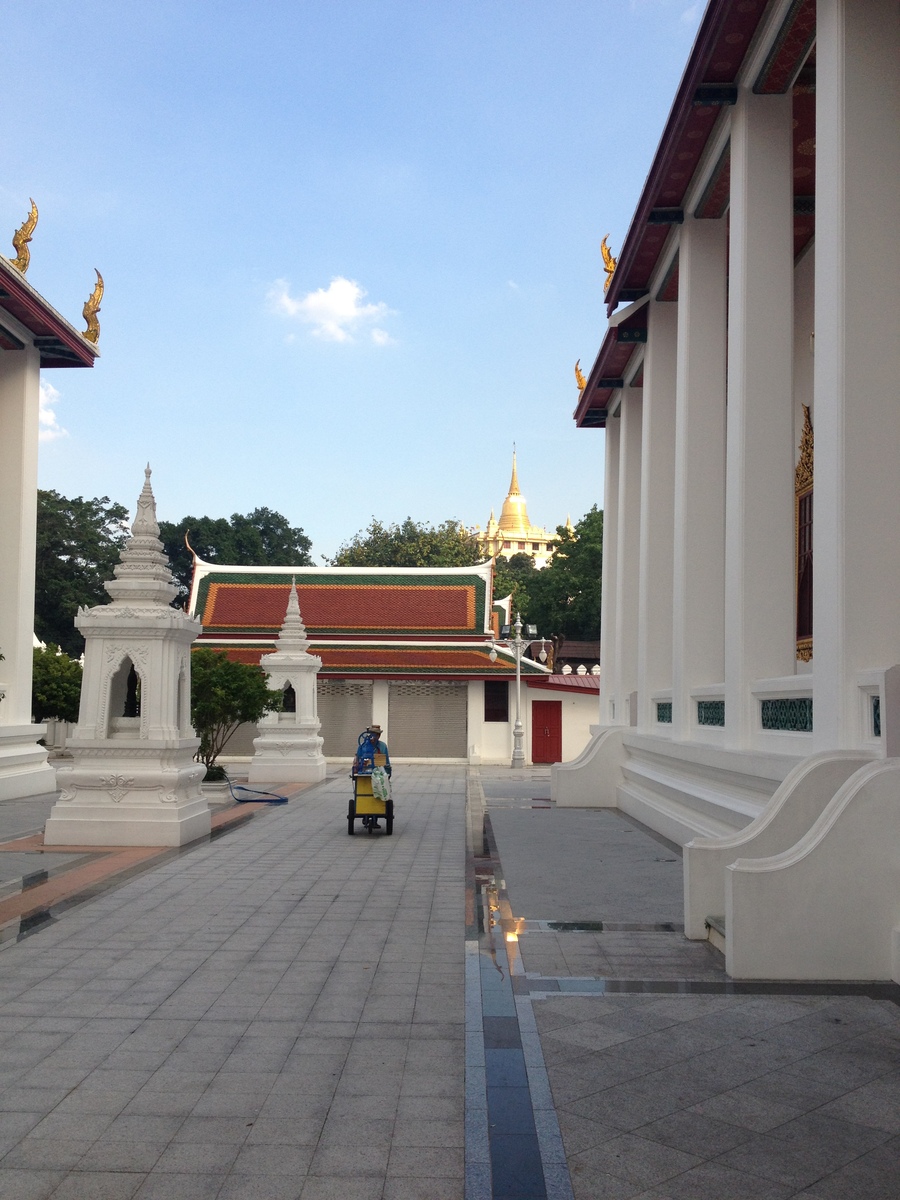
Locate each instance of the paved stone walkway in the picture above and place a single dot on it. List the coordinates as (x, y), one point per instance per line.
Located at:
(279, 1015)
(274, 1015)
(681, 1085)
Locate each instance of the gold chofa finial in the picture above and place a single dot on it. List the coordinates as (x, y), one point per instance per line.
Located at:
(609, 263)
(90, 310)
(579, 378)
(21, 238)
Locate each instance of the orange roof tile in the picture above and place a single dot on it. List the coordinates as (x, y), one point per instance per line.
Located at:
(342, 607)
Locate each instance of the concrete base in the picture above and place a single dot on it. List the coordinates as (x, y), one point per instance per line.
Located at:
(289, 769)
(135, 825)
(288, 750)
(129, 792)
(24, 770)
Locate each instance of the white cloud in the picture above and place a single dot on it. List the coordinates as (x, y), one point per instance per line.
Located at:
(335, 313)
(49, 427)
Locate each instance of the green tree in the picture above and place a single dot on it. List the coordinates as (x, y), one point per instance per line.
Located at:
(410, 544)
(258, 539)
(55, 685)
(565, 597)
(514, 577)
(78, 544)
(224, 695)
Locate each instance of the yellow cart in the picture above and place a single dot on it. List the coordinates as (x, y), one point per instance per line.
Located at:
(364, 805)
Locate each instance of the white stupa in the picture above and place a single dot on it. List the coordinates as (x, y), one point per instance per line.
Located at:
(133, 781)
(289, 749)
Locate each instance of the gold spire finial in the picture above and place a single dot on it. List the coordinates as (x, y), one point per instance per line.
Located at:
(22, 237)
(579, 378)
(609, 263)
(90, 310)
(514, 482)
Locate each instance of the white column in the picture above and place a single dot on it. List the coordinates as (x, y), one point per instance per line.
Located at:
(657, 492)
(628, 538)
(23, 763)
(857, 429)
(760, 637)
(609, 571)
(698, 594)
(380, 706)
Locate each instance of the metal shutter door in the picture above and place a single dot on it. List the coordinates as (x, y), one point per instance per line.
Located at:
(345, 710)
(427, 720)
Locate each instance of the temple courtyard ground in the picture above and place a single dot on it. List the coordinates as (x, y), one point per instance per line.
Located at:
(496, 1001)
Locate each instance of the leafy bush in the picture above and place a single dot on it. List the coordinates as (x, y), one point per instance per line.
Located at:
(224, 695)
(55, 685)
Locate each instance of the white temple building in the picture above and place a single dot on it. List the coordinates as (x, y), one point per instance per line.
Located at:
(750, 707)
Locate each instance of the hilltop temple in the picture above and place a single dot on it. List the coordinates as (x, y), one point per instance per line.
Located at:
(514, 533)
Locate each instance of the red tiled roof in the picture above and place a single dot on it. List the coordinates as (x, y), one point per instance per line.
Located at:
(566, 683)
(344, 606)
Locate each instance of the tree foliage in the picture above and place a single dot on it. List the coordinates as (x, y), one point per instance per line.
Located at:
(260, 538)
(514, 577)
(55, 685)
(410, 544)
(565, 597)
(78, 544)
(224, 695)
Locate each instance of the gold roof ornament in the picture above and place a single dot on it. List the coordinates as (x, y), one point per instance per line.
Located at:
(609, 263)
(803, 475)
(579, 378)
(22, 237)
(90, 310)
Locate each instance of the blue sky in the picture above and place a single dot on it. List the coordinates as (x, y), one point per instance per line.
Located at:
(351, 249)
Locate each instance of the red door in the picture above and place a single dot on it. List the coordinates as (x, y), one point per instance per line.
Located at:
(546, 731)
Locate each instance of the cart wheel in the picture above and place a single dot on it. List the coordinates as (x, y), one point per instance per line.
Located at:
(351, 816)
(389, 817)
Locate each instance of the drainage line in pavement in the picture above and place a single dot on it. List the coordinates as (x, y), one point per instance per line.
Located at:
(541, 986)
(513, 1146)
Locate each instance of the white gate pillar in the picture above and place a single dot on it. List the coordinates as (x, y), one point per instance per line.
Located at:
(856, 576)
(657, 491)
(759, 518)
(23, 763)
(628, 554)
(609, 571)
(698, 593)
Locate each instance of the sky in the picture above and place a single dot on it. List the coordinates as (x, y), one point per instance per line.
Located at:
(350, 247)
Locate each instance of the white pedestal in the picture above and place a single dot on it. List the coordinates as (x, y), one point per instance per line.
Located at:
(24, 770)
(137, 793)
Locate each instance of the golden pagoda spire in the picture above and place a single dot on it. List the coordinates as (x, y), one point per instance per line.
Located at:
(514, 482)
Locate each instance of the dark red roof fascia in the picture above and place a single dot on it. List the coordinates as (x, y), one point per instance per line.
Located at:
(64, 347)
(616, 350)
(565, 683)
(707, 37)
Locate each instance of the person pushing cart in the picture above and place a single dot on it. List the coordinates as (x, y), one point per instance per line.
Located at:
(371, 775)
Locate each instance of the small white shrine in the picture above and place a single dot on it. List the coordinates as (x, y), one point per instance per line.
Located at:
(289, 749)
(134, 781)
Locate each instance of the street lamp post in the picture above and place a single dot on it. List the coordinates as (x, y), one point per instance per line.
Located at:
(517, 644)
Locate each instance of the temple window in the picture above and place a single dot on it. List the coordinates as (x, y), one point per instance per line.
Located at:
(496, 700)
